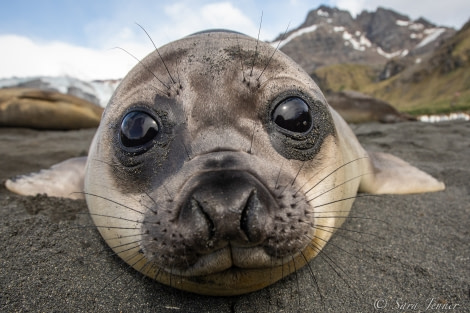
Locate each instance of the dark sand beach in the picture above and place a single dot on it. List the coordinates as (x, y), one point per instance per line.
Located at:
(406, 253)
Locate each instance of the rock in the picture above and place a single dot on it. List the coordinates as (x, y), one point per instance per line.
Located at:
(356, 107)
(40, 109)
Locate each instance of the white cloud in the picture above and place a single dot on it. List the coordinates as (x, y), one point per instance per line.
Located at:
(353, 6)
(184, 19)
(22, 57)
(453, 13)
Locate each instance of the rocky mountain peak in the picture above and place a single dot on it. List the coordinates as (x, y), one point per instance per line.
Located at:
(327, 15)
(331, 36)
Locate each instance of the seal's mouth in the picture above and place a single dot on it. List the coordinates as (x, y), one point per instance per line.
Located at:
(231, 259)
(226, 218)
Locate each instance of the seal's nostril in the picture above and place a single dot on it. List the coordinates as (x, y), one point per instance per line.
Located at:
(253, 217)
(210, 224)
(250, 203)
(193, 212)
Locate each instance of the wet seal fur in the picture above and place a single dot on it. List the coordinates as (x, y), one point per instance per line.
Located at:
(219, 168)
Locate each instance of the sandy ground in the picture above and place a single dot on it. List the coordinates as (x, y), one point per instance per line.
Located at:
(396, 254)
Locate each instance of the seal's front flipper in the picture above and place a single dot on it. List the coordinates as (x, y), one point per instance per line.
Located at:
(392, 175)
(65, 180)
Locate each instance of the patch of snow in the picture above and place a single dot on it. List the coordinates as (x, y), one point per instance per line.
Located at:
(416, 26)
(10, 82)
(323, 13)
(357, 33)
(338, 29)
(418, 60)
(416, 36)
(357, 45)
(329, 21)
(365, 42)
(443, 117)
(402, 23)
(388, 55)
(101, 90)
(432, 34)
(104, 90)
(295, 34)
(404, 53)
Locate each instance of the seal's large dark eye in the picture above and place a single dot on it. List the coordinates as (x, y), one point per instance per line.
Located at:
(138, 129)
(293, 114)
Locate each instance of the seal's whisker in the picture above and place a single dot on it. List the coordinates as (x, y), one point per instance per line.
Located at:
(121, 237)
(337, 232)
(107, 163)
(110, 216)
(292, 183)
(148, 70)
(113, 227)
(331, 263)
(112, 201)
(318, 226)
(340, 248)
(337, 186)
(250, 151)
(144, 267)
(275, 50)
(347, 217)
(312, 275)
(157, 272)
(345, 199)
(130, 197)
(340, 234)
(178, 76)
(109, 282)
(308, 180)
(297, 174)
(128, 249)
(106, 250)
(276, 185)
(241, 58)
(294, 179)
(331, 173)
(257, 43)
(126, 244)
(153, 200)
(297, 279)
(128, 265)
(156, 49)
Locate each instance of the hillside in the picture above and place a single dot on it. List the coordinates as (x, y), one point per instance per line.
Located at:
(331, 36)
(436, 83)
(439, 83)
(416, 66)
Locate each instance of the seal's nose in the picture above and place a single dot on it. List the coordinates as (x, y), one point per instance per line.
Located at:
(231, 207)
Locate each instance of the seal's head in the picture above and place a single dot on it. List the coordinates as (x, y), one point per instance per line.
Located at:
(220, 163)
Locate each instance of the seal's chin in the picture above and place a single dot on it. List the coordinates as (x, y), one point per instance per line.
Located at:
(231, 258)
(215, 276)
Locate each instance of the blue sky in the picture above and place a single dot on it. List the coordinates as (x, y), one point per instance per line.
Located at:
(76, 37)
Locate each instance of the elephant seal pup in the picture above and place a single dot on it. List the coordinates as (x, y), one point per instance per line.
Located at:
(219, 168)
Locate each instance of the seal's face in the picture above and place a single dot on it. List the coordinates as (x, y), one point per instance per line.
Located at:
(220, 138)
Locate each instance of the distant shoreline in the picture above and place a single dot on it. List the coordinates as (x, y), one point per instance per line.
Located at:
(435, 118)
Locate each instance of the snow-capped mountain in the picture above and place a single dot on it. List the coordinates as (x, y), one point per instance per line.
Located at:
(97, 92)
(332, 36)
